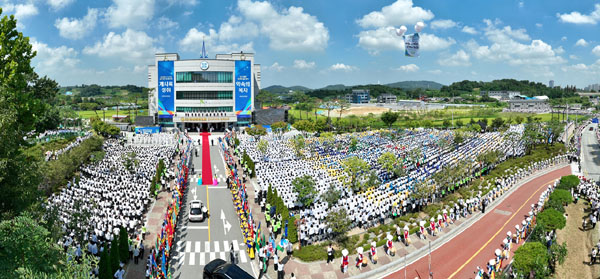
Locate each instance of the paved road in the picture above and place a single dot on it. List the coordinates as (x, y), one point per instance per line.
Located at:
(590, 153)
(473, 247)
(200, 242)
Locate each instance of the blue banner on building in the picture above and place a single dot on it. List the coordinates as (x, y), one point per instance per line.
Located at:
(147, 130)
(166, 89)
(243, 89)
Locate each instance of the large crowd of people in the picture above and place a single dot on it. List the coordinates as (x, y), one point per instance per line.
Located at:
(110, 194)
(424, 152)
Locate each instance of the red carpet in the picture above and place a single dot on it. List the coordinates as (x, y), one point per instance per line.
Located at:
(207, 177)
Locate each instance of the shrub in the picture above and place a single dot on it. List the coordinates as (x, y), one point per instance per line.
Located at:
(562, 196)
(123, 245)
(551, 219)
(531, 257)
(312, 253)
(568, 182)
(555, 204)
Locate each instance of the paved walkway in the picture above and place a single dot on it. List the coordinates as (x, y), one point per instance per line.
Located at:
(418, 248)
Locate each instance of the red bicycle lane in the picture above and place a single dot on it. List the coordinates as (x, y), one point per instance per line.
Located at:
(460, 256)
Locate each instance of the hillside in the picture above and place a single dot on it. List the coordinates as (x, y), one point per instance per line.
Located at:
(278, 89)
(338, 87)
(423, 84)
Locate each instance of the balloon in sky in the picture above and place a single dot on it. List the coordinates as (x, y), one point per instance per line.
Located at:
(400, 31)
(419, 26)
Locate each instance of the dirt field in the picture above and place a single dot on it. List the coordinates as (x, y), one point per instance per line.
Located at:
(579, 245)
(361, 111)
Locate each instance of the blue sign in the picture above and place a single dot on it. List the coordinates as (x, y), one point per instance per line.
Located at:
(147, 130)
(243, 89)
(594, 120)
(166, 89)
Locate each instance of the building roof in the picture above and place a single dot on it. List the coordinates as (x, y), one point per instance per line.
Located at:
(528, 101)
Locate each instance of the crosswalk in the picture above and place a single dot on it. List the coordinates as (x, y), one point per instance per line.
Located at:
(202, 252)
(220, 177)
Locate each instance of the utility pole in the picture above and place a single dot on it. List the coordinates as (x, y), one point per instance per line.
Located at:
(430, 273)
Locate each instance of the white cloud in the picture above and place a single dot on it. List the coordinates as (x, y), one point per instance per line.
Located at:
(131, 45)
(579, 18)
(72, 28)
(165, 23)
(385, 38)
(276, 67)
(564, 38)
(291, 29)
(49, 59)
(591, 69)
(342, 67)
(443, 24)
(400, 12)
(234, 26)
(130, 13)
(302, 64)
(435, 72)
(573, 57)
(596, 50)
(21, 11)
(505, 47)
(140, 69)
(183, 2)
(408, 68)
(193, 42)
(581, 42)
(469, 30)
(460, 58)
(539, 25)
(521, 4)
(59, 4)
(559, 50)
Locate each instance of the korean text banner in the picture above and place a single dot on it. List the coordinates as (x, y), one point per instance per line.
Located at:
(243, 89)
(411, 45)
(166, 89)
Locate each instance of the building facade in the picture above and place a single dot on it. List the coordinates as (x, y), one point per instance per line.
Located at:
(501, 95)
(358, 96)
(529, 105)
(203, 94)
(387, 98)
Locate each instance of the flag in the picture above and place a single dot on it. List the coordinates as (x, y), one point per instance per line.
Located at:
(285, 231)
(164, 263)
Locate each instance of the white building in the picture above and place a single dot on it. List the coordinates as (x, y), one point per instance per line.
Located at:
(203, 93)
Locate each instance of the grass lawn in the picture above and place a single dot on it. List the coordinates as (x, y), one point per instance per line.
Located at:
(579, 244)
(86, 114)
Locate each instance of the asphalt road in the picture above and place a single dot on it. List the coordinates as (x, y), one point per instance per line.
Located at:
(459, 257)
(198, 243)
(590, 153)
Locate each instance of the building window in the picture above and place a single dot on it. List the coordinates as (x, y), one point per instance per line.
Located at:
(204, 77)
(204, 109)
(204, 95)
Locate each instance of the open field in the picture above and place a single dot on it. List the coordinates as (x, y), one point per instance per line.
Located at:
(86, 114)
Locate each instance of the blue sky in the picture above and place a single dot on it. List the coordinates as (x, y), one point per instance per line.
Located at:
(317, 43)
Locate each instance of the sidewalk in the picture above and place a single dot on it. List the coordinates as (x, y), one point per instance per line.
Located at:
(417, 249)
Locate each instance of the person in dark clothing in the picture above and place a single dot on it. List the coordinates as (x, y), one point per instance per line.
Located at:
(483, 206)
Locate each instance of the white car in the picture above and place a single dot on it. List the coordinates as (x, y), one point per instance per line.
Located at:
(197, 211)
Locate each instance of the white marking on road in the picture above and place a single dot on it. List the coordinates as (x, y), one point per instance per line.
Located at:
(206, 246)
(222, 255)
(217, 187)
(197, 228)
(226, 225)
(192, 259)
(179, 245)
(225, 244)
(212, 256)
(202, 258)
(217, 246)
(236, 247)
(188, 246)
(253, 269)
(243, 256)
(197, 246)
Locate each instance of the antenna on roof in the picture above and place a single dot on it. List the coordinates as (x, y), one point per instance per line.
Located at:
(204, 55)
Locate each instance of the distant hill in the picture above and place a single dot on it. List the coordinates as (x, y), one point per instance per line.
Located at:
(338, 87)
(278, 89)
(424, 84)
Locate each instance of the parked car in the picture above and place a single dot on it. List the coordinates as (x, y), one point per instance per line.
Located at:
(197, 211)
(220, 269)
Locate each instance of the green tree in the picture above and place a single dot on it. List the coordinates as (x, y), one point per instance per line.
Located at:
(262, 147)
(555, 129)
(339, 223)
(342, 105)
(519, 119)
(115, 255)
(531, 257)
(24, 244)
(305, 125)
(278, 125)
(551, 219)
(388, 161)
(389, 117)
(104, 268)
(304, 186)
(355, 168)
(446, 123)
(497, 123)
(332, 196)
(568, 181)
(298, 144)
(531, 135)
(459, 123)
(123, 245)
(458, 139)
(562, 196)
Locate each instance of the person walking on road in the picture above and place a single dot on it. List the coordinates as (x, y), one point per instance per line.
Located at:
(280, 272)
(330, 254)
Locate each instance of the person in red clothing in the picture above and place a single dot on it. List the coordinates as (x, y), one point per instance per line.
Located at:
(390, 246)
(406, 235)
(432, 226)
(359, 258)
(373, 252)
(345, 261)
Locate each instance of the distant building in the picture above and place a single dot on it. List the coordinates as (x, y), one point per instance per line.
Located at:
(501, 95)
(358, 96)
(69, 93)
(387, 98)
(551, 83)
(595, 87)
(529, 105)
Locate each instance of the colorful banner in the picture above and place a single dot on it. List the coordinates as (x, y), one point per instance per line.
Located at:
(411, 45)
(147, 130)
(243, 89)
(166, 89)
